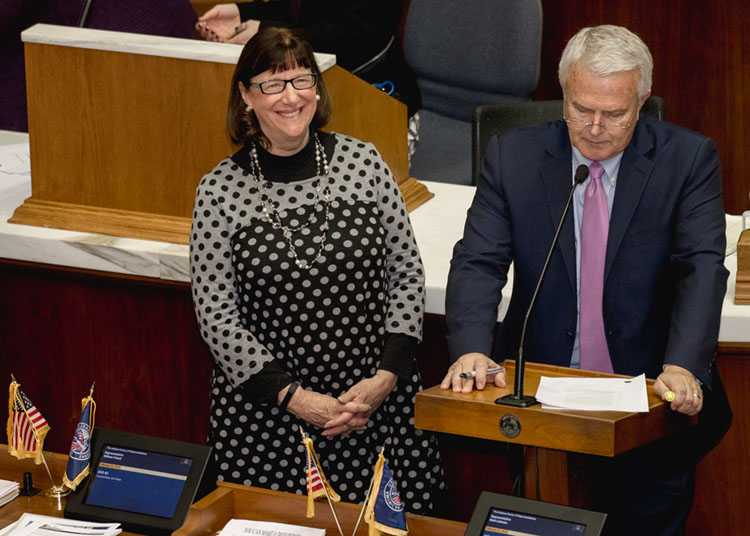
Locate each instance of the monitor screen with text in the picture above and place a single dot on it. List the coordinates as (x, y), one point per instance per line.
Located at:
(138, 481)
(500, 521)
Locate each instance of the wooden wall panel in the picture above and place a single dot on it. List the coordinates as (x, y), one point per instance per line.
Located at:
(723, 476)
(62, 330)
(701, 68)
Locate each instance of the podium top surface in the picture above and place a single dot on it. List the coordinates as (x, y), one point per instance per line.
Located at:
(150, 45)
(603, 433)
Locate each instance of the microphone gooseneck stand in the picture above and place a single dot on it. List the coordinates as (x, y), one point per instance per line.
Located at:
(517, 399)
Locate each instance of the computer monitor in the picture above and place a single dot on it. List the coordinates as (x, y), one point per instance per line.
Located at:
(145, 483)
(503, 514)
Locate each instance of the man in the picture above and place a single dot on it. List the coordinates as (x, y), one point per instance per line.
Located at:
(637, 280)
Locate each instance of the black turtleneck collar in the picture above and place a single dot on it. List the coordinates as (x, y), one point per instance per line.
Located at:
(297, 167)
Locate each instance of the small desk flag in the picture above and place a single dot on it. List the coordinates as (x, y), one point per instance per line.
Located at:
(26, 428)
(316, 480)
(385, 510)
(80, 448)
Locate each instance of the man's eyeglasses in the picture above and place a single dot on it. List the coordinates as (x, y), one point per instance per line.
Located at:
(272, 87)
(585, 120)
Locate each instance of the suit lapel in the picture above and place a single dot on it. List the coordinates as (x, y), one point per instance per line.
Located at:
(635, 170)
(557, 181)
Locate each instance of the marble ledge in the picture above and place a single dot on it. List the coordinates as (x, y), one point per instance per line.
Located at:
(437, 226)
(150, 45)
(94, 252)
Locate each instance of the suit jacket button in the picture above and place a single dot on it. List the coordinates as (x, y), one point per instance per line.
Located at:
(569, 335)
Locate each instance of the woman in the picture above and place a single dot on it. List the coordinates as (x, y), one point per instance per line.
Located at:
(309, 290)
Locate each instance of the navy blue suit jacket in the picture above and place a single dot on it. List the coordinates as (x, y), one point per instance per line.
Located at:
(664, 274)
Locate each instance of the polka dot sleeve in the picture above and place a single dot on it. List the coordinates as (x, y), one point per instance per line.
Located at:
(404, 264)
(234, 348)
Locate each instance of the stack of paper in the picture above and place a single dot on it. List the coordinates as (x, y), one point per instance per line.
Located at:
(37, 525)
(596, 394)
(242, 527)
(8, 491)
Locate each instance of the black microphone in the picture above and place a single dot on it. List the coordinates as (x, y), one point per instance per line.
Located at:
(85, 14)
(518, 399)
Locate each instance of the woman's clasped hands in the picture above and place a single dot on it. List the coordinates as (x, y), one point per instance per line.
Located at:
(348, 413)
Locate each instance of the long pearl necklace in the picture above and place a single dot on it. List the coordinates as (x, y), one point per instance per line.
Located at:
(270, 208)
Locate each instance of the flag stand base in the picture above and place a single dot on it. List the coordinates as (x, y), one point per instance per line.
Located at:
(57, 491)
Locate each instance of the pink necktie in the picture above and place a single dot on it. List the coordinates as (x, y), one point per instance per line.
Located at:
(594, 231)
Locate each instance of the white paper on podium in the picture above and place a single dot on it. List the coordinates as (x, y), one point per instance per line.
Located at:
(595, 394)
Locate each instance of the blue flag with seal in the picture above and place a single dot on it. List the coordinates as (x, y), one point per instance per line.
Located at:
(80, 448)
(384, 512)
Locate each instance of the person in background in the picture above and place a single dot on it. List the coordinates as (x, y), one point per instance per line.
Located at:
(308, 288)
(636, 283)
(168, 18)
(362, 35)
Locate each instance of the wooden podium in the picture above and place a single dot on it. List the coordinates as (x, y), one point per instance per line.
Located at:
(123, 126)
(742, 288)
(554, 440)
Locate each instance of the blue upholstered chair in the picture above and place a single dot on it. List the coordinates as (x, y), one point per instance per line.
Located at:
(466, 54)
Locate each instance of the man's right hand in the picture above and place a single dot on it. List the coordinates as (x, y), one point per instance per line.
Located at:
(477, 362)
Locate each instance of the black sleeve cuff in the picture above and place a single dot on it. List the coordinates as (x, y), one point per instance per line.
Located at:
(265, 385)
(398, 354)
(273, 13)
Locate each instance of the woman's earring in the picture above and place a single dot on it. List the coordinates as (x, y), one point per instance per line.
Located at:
(317, 97)
(247, 108)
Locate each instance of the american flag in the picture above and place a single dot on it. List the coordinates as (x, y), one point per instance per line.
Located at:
(314, 482)
(23, 422)
(317, 485)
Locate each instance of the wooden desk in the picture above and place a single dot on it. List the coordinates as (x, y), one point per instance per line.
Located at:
(13, 469)
(229, 501)
(212, 512)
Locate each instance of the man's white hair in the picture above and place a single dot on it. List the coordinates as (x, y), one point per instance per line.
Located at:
(608, 49)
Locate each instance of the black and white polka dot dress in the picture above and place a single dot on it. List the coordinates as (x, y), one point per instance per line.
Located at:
(325, 326)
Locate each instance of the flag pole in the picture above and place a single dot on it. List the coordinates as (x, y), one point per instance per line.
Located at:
(325, 488)
(55, 490)
(367, 495)
(313, 459)
(330, 503)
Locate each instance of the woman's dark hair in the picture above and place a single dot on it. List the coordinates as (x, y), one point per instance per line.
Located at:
(274, 49)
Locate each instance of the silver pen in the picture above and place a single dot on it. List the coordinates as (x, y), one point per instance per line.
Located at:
(491, 370)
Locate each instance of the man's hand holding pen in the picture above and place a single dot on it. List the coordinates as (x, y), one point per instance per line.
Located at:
(470, 371)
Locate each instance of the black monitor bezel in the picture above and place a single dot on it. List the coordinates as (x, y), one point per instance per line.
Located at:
(76, 507)
(594, 521)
